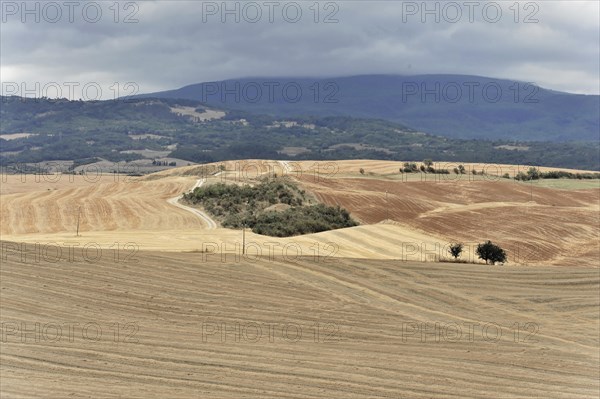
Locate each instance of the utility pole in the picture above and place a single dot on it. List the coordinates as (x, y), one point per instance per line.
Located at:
(78, 217)
(244, 239)
(531, 190)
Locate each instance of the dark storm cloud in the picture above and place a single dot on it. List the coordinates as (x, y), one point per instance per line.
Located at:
(177, 43)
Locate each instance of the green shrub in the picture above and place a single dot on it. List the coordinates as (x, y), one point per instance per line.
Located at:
(302, 220)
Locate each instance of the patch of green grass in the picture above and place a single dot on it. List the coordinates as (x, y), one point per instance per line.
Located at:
(567, 184)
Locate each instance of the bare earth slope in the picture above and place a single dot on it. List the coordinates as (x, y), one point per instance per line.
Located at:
(190, 327)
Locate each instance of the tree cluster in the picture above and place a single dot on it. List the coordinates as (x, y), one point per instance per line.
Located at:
(247, 206)
(535, 174)
(489, 252)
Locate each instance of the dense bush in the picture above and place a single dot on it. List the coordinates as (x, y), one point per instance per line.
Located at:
(245, 206)
(302, 220)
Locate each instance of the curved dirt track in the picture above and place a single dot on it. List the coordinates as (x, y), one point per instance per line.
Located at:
(270, 328)
(208, 221)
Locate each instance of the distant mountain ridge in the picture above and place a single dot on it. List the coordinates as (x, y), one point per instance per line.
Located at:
(173, 130)
(457, 106)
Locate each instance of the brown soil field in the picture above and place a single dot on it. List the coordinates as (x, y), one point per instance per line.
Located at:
(536, 225)
(179, 326)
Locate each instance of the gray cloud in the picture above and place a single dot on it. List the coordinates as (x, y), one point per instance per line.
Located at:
(174, 43)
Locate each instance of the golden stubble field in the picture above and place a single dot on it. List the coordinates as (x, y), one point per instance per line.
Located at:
(179, 325)
(150, 302)
(408, 217)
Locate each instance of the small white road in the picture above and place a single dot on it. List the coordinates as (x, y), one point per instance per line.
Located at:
(210, 224)
(285, 165)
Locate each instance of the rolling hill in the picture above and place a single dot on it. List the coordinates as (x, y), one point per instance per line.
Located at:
(457, 106)
(152, 300)
(410, 217)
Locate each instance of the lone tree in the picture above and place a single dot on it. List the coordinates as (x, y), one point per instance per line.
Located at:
(491, 253)
(362, 171)
(455, 250)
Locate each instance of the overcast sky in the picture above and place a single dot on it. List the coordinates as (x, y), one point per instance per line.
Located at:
(162, 45)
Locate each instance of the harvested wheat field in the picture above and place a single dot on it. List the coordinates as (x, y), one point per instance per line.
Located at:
(416, 220)
(182, 326)
(127, 204)
(154, 299)
(143, 213)
(378, 167)
(23, 183)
